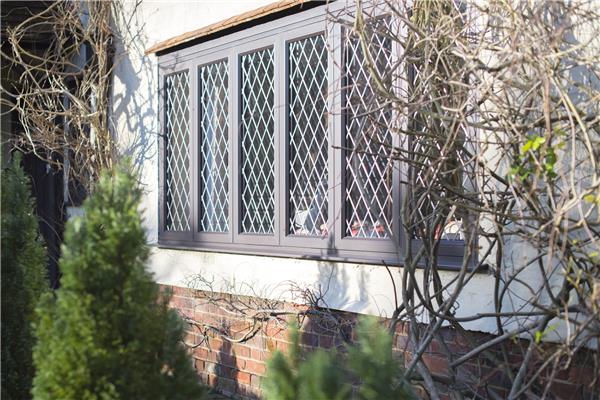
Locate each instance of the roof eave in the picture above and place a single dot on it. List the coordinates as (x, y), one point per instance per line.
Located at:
(229, 25)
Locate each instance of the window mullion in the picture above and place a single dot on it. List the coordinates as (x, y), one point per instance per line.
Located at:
(234, 143)
(193, 140)
(333, 88)
(279, 131)
(281, 139)
(400, 120)
(337, 83)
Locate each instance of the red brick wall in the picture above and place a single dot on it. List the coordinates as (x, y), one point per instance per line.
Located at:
(237, 369)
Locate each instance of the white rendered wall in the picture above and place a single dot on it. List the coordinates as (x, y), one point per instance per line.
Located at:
(350, 287)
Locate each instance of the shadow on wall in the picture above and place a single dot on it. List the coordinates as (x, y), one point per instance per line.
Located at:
(134, 101)
(225, 371)
(326, 327)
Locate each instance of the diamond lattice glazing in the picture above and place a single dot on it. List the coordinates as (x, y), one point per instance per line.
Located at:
(258, 147)
(429, 197)
(308, 140)
(439, 163)
(214, 147)
(368, 167)
(177, 134)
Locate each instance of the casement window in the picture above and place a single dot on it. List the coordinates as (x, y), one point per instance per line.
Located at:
(368, 169)
(257, 142)
(265, 147)
(177, 154)
(213, 147)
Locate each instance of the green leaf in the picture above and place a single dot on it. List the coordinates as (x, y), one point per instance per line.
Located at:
(533, 143)
(537, 142)
(589, 198)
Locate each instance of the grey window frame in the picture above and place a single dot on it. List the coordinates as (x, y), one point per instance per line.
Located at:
(199, 119)
(344, 242)
(200, 236)
(334, 247)
(238, 235)
(163, 73)
(319, 242)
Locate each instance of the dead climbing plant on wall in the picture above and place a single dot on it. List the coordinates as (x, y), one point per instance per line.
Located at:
(60, 89)
(497, 113)
(496, 110)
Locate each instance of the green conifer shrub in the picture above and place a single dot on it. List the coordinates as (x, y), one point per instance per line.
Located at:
(290, 378)
(372, 360)
(321, 376)
(23, 280)
(108, 333)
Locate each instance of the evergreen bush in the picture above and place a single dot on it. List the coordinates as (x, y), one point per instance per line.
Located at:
(23, 280)
(108, 333)
(372, 360)
(321, 376)
(316, 378)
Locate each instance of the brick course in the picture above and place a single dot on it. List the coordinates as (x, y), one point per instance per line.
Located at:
(238, 369)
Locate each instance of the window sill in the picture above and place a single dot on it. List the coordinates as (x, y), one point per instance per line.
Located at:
(326, 255)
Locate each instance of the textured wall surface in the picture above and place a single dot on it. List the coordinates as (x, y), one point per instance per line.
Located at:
(238, 369)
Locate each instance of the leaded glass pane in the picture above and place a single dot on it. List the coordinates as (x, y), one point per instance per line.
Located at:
(257, 142)
(214, 147)
(308, 139)
(368, 140)
(431, 196)
(177, 134)
(441, 166)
